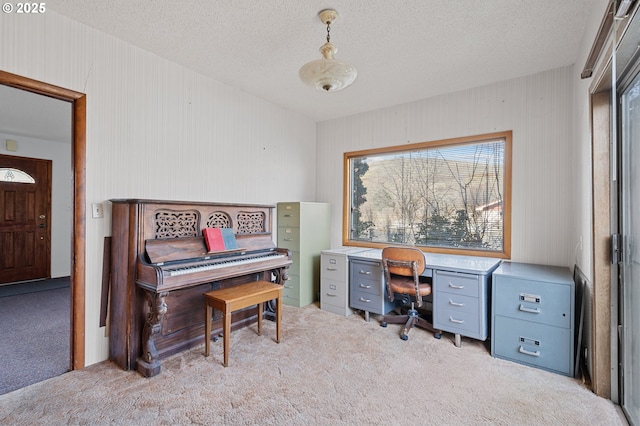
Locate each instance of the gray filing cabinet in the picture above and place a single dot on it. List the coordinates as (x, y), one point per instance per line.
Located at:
(533, 316)
(334, 280)
(366, 284)
(303, 228)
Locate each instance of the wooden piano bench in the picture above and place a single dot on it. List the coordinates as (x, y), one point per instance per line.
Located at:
(238, 297)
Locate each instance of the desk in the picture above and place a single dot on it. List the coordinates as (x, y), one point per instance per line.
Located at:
(461, 286)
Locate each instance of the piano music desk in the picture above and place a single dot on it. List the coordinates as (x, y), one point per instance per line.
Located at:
(237, 297)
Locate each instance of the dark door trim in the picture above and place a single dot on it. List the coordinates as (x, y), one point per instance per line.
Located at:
(78, 160)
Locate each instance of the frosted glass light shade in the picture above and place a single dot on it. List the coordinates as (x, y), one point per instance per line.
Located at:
(328, 74)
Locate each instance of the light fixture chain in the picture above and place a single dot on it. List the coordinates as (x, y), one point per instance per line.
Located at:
(328, 31)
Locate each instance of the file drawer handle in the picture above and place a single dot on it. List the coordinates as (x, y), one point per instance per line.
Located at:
(362, 299)
(288, 239)
(288, 286)
(365, 272)
(332, 269)
(530, 310)
(287, 215)
(332, 295)
(458, 287)
(455, 320)
(526, 352)
(364, 286)
(451, 302)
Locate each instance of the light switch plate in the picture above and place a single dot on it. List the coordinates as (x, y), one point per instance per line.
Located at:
(96, 210)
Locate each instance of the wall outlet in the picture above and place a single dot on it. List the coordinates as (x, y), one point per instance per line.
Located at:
(96, 210)
(12, 145)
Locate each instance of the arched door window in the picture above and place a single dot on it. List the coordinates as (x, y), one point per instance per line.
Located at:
(15, 176)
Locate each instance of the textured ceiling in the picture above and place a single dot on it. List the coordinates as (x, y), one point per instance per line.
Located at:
(24, 113)
(404, 50)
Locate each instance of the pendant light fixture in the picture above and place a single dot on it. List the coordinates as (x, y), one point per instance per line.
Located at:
(328, 74)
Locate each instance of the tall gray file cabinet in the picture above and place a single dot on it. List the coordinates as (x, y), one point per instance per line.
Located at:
(303, 228)
(533, 316)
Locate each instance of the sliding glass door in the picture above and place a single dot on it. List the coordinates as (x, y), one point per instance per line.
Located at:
(629, 208)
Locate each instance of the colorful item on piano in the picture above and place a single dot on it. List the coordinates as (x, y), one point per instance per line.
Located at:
(229, 239)
(219, 239)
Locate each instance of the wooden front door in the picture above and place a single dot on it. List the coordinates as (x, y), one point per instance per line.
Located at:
(25, 219)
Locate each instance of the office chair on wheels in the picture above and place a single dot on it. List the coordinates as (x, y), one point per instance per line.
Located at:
(402, 269)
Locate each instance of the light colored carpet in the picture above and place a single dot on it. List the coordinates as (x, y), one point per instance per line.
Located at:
(327, 370)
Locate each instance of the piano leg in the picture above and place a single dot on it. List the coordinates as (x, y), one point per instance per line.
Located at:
(149, 363)
(279, 275)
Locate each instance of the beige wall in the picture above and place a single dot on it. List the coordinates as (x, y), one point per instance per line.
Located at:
(158, 130)
(537, 108)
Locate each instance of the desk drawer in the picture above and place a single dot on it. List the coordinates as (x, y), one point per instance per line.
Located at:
(366, 269)
(464, 320)
(333, 267)
(366, 301)
(333, 292)
(367, 286)
(457, 282)
(456, 303)
(534, 344)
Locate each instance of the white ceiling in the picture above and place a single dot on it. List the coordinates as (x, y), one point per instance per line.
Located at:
(404, 50)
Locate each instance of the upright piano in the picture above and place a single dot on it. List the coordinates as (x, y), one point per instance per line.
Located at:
(160, 268)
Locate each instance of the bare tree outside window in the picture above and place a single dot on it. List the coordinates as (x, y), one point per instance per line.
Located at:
(447, 196)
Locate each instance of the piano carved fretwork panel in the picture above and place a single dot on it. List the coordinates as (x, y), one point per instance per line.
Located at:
(176, 224)
(219, 220)
(251, 222)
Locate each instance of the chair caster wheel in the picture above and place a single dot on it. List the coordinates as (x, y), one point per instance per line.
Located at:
(437, 335)
(383, 324)
(215, 339)
(404, 337)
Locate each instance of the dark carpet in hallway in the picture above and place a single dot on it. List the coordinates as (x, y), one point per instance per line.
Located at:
(34, 333)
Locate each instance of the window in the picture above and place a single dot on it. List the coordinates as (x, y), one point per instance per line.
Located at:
(450, 196)
(15, 176)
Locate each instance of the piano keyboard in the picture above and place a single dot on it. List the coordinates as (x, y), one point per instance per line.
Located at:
(223, 264)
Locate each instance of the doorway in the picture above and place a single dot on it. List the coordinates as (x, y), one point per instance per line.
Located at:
(78, 150)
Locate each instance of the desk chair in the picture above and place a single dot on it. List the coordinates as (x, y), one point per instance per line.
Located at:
(402, 269)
